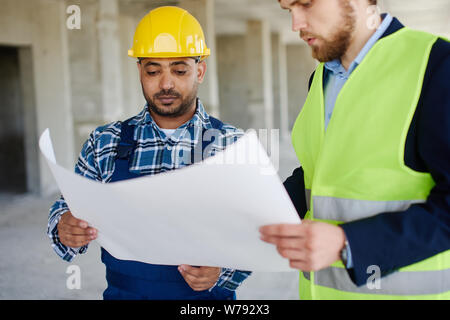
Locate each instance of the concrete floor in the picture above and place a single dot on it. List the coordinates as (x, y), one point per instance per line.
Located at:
(30, 269)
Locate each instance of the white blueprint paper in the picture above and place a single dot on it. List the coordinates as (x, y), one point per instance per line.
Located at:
(207, 214)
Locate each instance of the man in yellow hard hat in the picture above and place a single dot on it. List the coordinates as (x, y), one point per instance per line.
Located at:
(166, 135)
(374, 144)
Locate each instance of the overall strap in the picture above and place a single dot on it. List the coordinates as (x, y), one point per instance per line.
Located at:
(196, 153)
(125, 150)
(216, 123)
(127, 144)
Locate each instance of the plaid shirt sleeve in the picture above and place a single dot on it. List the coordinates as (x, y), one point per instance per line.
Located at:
(86, 166)
(231, 279)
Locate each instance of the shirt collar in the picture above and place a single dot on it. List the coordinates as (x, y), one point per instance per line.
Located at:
(200, 118)
(336, 67)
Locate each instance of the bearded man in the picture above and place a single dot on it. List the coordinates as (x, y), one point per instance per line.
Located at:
(373, 141)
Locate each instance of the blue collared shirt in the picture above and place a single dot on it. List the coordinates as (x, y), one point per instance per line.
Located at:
(335, 77)
(157, 151)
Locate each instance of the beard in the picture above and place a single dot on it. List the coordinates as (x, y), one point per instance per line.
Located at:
(171, 110)
(335, 46)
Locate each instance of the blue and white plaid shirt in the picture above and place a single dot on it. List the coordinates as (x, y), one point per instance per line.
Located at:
(97, 157)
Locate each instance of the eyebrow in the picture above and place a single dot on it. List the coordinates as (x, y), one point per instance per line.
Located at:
(292, 3)
(175, 63)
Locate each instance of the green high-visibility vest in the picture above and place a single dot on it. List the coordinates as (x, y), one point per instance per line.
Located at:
(355, 169)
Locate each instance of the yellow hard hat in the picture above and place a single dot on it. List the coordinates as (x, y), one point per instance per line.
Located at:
(169, 32)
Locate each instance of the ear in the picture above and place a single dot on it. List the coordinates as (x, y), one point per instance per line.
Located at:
(201, 71)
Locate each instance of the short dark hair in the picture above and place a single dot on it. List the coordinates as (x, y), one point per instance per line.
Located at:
(373, 2)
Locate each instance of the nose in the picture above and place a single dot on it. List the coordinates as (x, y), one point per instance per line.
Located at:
(166, 81)
(299, 22)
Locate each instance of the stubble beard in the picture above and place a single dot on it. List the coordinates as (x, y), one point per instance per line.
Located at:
(171, 111)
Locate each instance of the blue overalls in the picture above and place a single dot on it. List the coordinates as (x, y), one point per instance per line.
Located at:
(134, 280)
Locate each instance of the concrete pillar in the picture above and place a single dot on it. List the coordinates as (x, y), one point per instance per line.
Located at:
(231, 58)
(300, 67)
(259, 74)
(28, 105)
(284, 96)
(203, 11)
(133, 98)
(110, 61)
(52, 85)
(275, 80)
(85, 73)
(279, 65)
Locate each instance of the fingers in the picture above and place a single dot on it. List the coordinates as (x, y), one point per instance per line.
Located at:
(199, 278)
(293, 249)
(309, 246)
(197, 284)
(195, 271)
(301, 259)
(289, 244)
(68, 218)
(283, 230)
(75, 241)
(290, 241)
(74, 232)
(284, 242)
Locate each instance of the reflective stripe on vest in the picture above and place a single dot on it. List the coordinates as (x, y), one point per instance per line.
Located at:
(355, 169)
(344, 210)
(398, 283)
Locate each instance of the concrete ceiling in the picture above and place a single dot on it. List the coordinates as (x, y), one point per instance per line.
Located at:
(430, 15)
(231, 15)
(139, 7)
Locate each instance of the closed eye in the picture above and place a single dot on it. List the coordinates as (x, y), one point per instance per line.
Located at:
(305, 4)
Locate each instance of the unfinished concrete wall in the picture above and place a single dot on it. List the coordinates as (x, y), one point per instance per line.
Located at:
(110, 54)
(300, 67)
(231, 62)
(85, 73)
(40, 25)
(29, 119)
(280, 89)
(133, 99)
(259, 74)
(96, 67)
(431, 16)
(275, 40)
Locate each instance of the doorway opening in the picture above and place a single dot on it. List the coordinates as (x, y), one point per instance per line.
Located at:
(18, 155)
